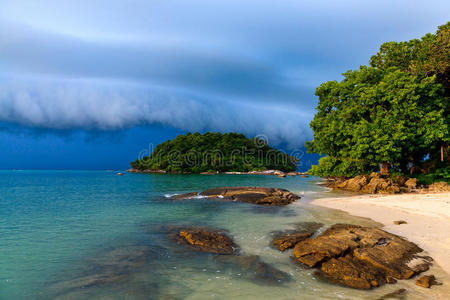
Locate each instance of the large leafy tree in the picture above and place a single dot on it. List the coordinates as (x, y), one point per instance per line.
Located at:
(392, 113)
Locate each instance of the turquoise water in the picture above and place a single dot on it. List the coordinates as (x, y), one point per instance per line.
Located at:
(96, 235)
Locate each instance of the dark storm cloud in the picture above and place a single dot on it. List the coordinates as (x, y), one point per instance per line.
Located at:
(198, 65)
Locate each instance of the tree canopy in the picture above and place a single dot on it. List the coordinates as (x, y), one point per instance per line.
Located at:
(212, 152)
(393, 112)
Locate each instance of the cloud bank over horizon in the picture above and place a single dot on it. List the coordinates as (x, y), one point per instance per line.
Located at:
(200, 66)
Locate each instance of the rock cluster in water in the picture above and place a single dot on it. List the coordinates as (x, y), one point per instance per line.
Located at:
(361, 257)
(207, 241)
(249, 267)
(255, 195)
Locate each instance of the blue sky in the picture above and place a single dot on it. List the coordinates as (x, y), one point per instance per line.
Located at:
(88, 84)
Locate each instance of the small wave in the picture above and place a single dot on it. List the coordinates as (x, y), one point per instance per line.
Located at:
(170, 195)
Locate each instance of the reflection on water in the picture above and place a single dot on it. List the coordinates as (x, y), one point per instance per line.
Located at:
(94, 235)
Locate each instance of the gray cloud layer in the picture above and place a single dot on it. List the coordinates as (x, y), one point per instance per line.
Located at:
(199, 65)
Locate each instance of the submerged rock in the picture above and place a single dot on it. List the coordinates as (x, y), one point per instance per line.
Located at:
(253, 268)
(184, 196)
(398, 294)
(255, 195)
(359, 257)
(207, 241)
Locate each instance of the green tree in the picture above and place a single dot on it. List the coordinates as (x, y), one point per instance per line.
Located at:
(195, 153)
(392, 113)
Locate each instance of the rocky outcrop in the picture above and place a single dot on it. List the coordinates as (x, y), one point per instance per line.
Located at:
(439, 187)
(288, 239)
(255, 195)
(253, 268)
(360, 257)
(369, 184)
(207, 241)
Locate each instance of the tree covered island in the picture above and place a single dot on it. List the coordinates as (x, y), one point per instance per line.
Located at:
(392, 115)
(214, 152)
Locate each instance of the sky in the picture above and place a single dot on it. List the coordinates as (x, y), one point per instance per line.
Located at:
(90, 84)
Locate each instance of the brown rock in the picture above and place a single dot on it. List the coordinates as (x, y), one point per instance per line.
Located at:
(411, 183)
(255, 195)
(439, 187)
(207, 241)
(374, 175)
(381, 185)
(400, 180)
(355, 184)
(289, 239)
(426, 281)
(400, 222)
(359, 257)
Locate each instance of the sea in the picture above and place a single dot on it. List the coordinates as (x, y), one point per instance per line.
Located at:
(97, 235)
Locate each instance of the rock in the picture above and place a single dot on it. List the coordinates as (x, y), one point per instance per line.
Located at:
(184, 196)
(400, 180)
(292, 173)
(371, 184)
(381, 185)
(252, 267)
(398, 294)
(304, 176)
(355, 184)
(119, 174)
(358, 257)
(400, 222)
(411, 183)
(288, 239)
(255, 195)
(439, 187)
(374, 175)
(427, 281)
(207, 241)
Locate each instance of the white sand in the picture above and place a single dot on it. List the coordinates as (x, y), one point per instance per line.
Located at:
(428, 217)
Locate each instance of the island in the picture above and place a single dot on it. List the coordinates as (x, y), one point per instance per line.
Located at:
(214, 153)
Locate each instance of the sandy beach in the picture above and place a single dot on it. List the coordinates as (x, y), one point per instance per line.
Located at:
(427, 217)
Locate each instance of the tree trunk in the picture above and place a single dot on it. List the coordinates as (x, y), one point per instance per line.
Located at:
(384, 168)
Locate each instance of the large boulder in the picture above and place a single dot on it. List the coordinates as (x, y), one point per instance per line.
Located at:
(207, 241)
(360, 257)
(381, 185)
(357, 183)
(255, 195)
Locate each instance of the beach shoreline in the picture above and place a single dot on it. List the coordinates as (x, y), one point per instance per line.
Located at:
(427, 216)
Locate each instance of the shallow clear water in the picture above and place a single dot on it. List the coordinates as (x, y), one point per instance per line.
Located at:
(96, 235)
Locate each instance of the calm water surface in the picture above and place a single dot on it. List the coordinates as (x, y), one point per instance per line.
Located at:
(96, 235)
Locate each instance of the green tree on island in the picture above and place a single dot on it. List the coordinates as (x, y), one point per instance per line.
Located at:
(215, 152)
(393, 113)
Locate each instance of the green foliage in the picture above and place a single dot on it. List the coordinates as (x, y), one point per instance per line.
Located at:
(331, 166)
(211, 152)
(440, 174)
(395, 111)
